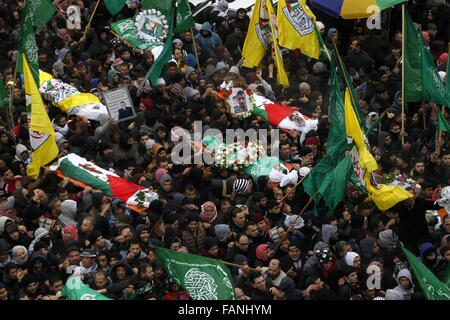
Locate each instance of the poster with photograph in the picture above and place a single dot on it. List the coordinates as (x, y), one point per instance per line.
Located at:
(119, 104)
(239, 101)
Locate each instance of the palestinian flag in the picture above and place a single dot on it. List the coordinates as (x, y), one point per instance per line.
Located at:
(70, 100)
(283, 117)
(134, 196)
(83, 173)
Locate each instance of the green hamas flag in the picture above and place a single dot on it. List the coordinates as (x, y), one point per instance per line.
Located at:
(447, 276)
(431, 286)
(163, 53)
(35, 14)
(330, 165)
(75, 289)
(28, 45)
(203, 278)
(184, 16)
(114, 6)
(442, 123)
(42, 10)
(126, 29)
(334, 185)
(422, 82)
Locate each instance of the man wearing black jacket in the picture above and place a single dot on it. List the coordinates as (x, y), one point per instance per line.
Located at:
(260, 291)
(293, 263)
(413, 228)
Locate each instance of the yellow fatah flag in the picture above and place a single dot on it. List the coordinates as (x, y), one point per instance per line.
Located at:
(77, 100)
(258, 36)
(282, 77)
(44, 76)
(42, 135)
(296, 28)
(73, 101)
(383, 196)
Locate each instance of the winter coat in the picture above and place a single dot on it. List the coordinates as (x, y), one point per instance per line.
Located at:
(210, 42)
(194, 242)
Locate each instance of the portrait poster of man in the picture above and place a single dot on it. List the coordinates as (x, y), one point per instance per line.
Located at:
(239, 101)
(119, 104)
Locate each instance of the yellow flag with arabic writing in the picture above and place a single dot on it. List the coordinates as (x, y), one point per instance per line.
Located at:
(282, 77)
(42, 134)
(384, 197)
(296, 27)
(258, 36)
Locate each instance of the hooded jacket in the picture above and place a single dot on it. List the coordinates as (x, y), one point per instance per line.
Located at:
(399, 290)
(328, 231)
(11, 284)
(41, 276)
(210, 42)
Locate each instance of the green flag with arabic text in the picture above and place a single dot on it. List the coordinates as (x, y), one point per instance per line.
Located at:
(431, 286)
(203, 278)
(75, 289)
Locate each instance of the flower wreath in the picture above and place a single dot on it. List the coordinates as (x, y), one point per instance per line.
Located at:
(160, 30)
(403, 181)
(235, 156)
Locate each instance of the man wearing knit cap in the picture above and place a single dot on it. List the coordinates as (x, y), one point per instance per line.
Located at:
(212, 248)
(292, 263)
(87, 265)
(160, 82)
(166, 182)
(191, 76)
(325, 269)
(222, 69)
(194, 234)
(431, 260)
(351, 286)
(263, 253)
(234, 70)
(261, 224)
(241, 186)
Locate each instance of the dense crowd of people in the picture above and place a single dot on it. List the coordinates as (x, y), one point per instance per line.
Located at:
(51, 229)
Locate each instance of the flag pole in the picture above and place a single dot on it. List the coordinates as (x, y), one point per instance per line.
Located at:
(195, 48)
(90, 19)
(238, 265)
(403, 74)
(311, 199)
(10, 115)
(439, 135)
(295, 187)
(347, 81)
